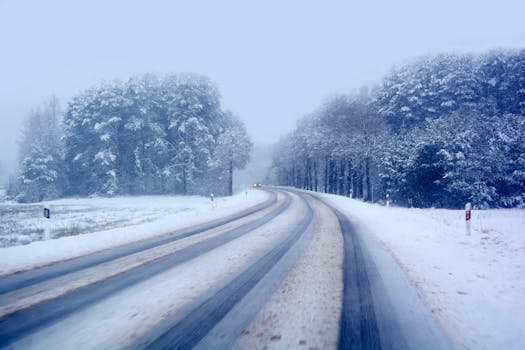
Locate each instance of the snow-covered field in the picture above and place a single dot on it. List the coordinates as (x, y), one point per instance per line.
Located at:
(474, 284)
(82, 226)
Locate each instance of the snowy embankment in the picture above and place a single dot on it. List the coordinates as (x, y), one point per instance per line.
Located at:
(122, 220)
(474, 284)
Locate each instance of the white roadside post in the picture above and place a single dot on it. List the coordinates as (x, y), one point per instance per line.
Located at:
(47, 223)
(468, 208)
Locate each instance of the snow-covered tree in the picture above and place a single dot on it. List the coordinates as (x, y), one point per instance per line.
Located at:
(471, 106)
(232, 151)
(92, 124)
(333, 149)
(146, 135)
(41, 167)
(193, 112)
(439, 131)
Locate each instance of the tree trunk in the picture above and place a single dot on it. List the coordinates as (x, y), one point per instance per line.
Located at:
(368, 181)
(184, 182)
(355, 183)
(341, 178)
(315, 176)
(325, 190)
(360, 184)
(230, 180)
(292, 175)
(310, 182)
(349, 178)
(333, 177)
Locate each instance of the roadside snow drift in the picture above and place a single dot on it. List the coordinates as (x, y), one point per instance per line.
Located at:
(474, 284)
(122, 219)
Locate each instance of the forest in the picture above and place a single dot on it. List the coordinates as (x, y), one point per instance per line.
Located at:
(147, 135)
(439, 131)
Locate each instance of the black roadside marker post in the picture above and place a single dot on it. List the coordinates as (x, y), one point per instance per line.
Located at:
(47, 224)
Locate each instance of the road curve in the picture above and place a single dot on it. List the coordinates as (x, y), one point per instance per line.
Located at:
(19, 323)
(22, 279)
(295, 245)
(187, 332)
(381, 308)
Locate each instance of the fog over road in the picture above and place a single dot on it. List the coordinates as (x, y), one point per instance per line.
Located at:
(290, 272)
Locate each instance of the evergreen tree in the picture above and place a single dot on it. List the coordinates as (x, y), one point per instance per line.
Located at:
(145, 136)
(232, 152)
(41, 167)
(440, 131)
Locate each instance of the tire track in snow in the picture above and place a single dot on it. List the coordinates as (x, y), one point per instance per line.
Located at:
(23, 322)
(188, 330)
(305, 310)
(359, 329)
(26, 278)
(44, 291)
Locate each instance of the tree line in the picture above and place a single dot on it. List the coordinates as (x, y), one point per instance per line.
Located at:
(143, 136)
(439, 131)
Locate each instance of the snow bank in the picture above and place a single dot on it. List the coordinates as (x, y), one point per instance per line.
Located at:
(474, 284)
(135, 218)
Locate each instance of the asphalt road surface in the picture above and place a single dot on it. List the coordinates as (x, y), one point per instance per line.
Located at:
(291, 272)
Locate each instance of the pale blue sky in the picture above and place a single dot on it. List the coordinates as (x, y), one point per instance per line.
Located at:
(273, 61)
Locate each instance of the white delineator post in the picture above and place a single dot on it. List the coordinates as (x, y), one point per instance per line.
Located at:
(468, 208)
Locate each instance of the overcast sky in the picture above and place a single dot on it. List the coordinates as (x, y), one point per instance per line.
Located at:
(273, 61)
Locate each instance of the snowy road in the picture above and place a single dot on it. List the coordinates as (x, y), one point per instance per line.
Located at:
(290, 272)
